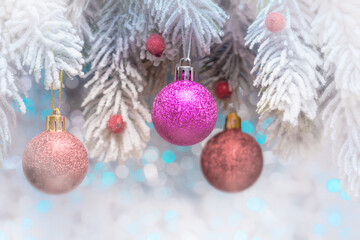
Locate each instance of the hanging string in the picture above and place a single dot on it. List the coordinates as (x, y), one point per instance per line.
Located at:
(52, 93)
(183, 41)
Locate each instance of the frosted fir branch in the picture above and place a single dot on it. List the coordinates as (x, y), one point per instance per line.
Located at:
(205, 18)
(118, 94)
(40, 33)
(231, 60)
(286, 64)
(340, 100)
(10, 91)
(81, 14)
(288, 71)
(117, 82)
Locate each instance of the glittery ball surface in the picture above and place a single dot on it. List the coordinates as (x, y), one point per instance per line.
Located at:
(232, 161)
(55, 162)
(184, 113)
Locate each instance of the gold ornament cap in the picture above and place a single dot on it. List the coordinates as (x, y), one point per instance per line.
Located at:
(233, 121)
(55, 122)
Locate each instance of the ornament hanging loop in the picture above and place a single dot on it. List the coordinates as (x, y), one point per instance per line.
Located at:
(52, 93)
(56, 122)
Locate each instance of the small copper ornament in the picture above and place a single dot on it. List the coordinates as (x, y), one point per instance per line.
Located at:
(232, 160)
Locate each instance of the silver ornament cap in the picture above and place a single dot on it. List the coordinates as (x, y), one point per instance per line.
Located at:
(184, 72)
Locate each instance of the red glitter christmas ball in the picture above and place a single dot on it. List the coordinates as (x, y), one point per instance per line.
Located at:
(55, 162)
(275, 22)
(116, 124)
(155, 45)
(222, 89)
(232, 161)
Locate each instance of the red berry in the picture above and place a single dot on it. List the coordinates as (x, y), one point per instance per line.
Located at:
(275, 22)
(222, 89)
(116, 124)
(155, 45)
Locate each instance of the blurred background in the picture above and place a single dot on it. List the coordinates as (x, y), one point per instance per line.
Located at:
(164, 195)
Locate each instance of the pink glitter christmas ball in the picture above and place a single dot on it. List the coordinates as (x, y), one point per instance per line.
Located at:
(184, 113)
(232, 161)
(275, 22)
(55, 162)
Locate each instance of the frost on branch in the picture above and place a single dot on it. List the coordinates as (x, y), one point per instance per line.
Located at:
(341, 99)
(232, 60)
(287, 66)
(44, 38)
(10, 90)
(117, 81)
(204, 17)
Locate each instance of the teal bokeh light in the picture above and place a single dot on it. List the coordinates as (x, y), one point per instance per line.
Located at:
(168, 156)
(171, 215)
(43, 206)
(333, 185)
(100, 168)
(260, 138)
(345, 196)
(334, 219)
(150, 125)
(247, 127)
(240, 235)
(255, 204)
(45, 113)
(108, 178)
(153, 236)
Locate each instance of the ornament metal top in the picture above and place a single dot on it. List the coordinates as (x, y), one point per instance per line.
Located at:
(55, 122)
(184, 72)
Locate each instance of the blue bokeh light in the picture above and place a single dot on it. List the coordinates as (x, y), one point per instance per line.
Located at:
(240, 235)
(108, 178)
(334, 219)
(171, 215)
(247, 127)
(2, 235)
(260, 138)
(168, 156)
(267, 123)
(43, 206)
(255, 204)
(333, 185)
(139, 175)
(150, 125)
(153, 236)
(29, 102)
(45, 113)
(100, 168)
(345, 196)
(319, 229)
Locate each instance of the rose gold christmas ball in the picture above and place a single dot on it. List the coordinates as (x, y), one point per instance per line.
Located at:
(55, 162)
(232, 161)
